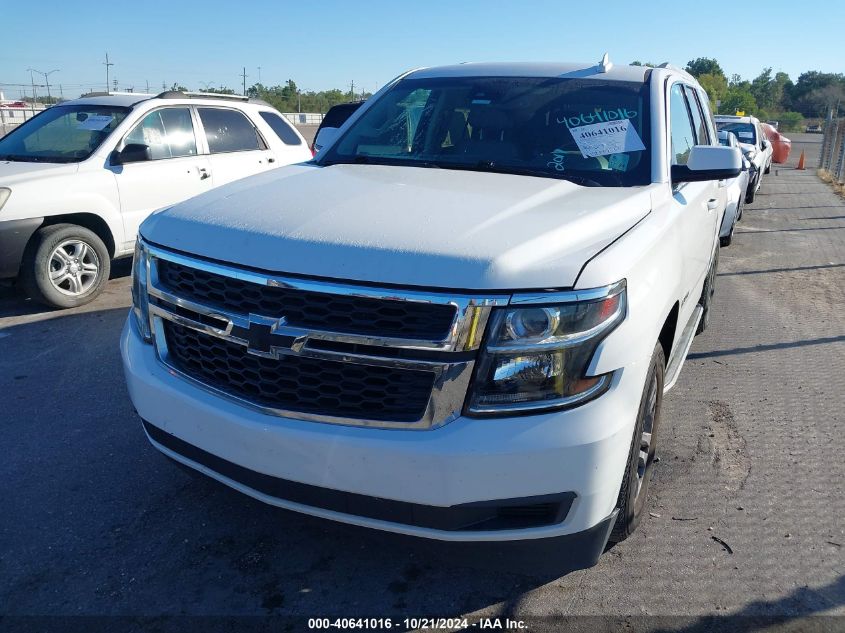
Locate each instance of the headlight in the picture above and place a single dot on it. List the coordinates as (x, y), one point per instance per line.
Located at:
(140, 299)
(536, 357)
(5, 192)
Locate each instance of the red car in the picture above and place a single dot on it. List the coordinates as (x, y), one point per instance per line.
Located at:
(781, 145)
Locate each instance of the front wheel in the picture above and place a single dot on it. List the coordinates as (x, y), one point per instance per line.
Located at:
(707, 293)
(634, 490)
(65, 266)
(752, 191)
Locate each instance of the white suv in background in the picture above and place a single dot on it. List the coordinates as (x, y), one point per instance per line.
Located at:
(77, 180)
(756, 148)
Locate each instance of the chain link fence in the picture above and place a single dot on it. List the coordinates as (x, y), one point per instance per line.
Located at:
(832, 156)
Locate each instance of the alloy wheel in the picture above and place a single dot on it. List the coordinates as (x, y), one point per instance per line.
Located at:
(74, 267)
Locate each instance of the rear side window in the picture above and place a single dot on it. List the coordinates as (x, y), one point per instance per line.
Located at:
(282, 128)
(228, 131)
(681, 131)
(709, 121)
(337, 115)
(697, 118)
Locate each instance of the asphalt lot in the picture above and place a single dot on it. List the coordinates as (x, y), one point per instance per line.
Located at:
(97, 522)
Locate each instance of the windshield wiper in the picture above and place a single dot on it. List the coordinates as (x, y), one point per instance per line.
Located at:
(21, 158)
(381, 160)
(492, 167)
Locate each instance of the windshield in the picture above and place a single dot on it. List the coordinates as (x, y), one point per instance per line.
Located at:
(745, 132)
(591, 131)
(62, 134)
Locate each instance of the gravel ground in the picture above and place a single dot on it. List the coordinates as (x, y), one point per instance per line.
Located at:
(745, 516)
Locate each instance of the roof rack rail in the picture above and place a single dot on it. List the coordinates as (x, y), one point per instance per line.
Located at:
(178, 94)
(116, 93)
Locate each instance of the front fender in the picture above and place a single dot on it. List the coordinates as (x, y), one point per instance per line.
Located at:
(649, 257)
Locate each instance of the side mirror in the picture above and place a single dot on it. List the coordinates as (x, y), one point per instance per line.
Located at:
(766, 143)
(709, 162)
(325, 136)
(131, 153)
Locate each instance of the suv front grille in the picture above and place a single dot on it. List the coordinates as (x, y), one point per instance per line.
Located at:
(299, 383)
(306, 309)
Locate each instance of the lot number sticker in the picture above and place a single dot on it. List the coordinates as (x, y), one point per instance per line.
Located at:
(95, 122)
(603, 139)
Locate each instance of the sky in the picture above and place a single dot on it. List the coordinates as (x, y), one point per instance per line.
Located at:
(329, 44)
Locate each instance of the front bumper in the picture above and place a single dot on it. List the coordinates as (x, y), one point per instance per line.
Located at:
(14, 235)
(580, 453)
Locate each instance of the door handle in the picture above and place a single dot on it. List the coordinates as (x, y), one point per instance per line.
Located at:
(712, 204)
(204, 173)
(271, 160)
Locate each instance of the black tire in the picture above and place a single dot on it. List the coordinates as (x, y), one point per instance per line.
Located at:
(634, 490)
(707, 293)
(739, 210)
(768, 168)
(726, 240)
(752, 192)
(83, 280)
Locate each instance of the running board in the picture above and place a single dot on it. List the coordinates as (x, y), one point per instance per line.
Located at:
(673, 369)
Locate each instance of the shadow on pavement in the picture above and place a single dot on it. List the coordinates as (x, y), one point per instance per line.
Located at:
(780, 270)
(14, 302)
(766, 348)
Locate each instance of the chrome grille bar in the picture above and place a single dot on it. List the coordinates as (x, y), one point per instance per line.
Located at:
(451, 377)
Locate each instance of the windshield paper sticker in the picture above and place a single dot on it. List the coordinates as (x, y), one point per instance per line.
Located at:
(602, 139)
(746, 135)
(95, 122)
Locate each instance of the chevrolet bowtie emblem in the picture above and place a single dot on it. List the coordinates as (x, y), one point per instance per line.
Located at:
(266, 337)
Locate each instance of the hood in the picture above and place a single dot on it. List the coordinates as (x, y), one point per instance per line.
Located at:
(19, 171)
(411, 226)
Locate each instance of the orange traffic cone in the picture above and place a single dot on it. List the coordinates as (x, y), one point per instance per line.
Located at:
(801, 161)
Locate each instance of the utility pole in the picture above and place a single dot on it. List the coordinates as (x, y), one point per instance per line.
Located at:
(244, 76)
(107, 64)
(148, 86)
(259, 74)
(32, 81)
(352, 89)
(46, 79)
(114, 81)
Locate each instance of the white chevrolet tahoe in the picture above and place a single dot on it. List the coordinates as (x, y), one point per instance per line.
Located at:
(459, 320)
(77, 180)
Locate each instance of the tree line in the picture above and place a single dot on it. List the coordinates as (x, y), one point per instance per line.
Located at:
(769, 96)
(290, 98)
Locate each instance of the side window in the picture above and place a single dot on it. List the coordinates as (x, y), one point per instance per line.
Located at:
(168, 132)
(228, 131)
(282, 128)
(709, 121)
(697, 118)
(680, 127)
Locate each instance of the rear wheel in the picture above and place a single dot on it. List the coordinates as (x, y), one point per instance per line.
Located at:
(65, 266)
(634, 490)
